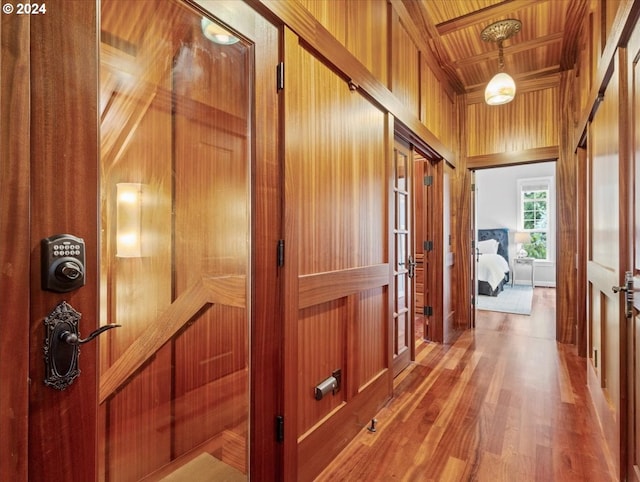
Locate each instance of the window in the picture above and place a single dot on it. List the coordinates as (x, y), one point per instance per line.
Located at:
(535, 212)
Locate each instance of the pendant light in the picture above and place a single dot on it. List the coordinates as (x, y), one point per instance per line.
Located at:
(501, 88)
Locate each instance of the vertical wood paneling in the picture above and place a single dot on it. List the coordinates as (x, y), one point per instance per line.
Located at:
(322, 331)
(15, 245)
(529, 121)
(367, 34)
(331, 16)
(371, 352)
(336, 196)
(566, 219)
(341, 169)
(405, 67)
(64, 159)
(436, 107)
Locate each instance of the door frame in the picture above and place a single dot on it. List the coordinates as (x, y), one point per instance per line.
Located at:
(15, 246)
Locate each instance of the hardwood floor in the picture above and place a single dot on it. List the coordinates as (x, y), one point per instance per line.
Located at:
(505, 402)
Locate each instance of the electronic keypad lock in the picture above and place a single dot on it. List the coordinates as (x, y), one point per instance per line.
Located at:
(63, 261)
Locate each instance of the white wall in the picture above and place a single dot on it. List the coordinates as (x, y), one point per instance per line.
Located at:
(497, 207)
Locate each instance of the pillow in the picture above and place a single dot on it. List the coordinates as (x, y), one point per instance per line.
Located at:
(488, 246)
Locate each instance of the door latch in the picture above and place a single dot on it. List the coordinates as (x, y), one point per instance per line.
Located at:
(412, 267)
(628, 290)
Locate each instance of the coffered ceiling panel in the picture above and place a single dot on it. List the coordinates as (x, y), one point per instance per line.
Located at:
(546, 44)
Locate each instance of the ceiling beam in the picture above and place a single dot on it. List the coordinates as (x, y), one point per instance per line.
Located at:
(484, 15)
(512, 49)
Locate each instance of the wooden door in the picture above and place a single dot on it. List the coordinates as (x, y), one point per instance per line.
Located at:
(147, 153)
(633, 235)
(403, 310)
(606, 263)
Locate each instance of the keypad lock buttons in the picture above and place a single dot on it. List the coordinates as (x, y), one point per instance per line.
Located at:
(63, 261)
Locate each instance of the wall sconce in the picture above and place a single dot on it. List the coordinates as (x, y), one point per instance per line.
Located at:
(501, 89)
(522, 238)
(129, 220)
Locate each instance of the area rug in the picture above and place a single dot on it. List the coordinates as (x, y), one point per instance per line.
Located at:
(516, 299)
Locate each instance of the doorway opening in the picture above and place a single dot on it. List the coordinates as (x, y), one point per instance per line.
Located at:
(515, 230)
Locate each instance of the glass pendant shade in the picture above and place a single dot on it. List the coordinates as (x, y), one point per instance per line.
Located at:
(501, 89)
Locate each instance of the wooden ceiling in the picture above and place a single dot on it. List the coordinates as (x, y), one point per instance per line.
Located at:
(547, 43)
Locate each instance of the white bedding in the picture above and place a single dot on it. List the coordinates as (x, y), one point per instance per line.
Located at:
(492, 268)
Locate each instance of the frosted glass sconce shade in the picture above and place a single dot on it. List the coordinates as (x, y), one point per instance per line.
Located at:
(129, 220)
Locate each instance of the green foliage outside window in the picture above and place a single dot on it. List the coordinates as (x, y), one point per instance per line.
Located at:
(535, 219)
(537, 248)
(534, 209)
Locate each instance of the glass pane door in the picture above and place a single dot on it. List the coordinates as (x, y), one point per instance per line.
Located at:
(175, 195)
(402, 322)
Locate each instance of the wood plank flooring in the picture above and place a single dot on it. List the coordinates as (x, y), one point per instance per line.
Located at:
(505, 402)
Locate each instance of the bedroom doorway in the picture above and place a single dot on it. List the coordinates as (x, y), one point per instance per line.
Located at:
(515, 245)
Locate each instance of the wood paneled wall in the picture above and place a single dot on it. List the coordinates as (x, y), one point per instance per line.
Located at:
(530, 121)
(337, 256)
(344, 19)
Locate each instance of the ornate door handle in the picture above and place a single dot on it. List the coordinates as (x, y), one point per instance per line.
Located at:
(62, 345)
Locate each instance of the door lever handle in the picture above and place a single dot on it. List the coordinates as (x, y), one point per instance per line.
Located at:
(73, 338)
(62, 345)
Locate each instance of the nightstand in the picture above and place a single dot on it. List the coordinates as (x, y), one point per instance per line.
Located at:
(525, 262)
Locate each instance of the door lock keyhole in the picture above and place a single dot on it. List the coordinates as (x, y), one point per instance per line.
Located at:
(68, 271)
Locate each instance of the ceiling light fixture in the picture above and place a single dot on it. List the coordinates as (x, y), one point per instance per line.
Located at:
(216, 33)
(501, 88)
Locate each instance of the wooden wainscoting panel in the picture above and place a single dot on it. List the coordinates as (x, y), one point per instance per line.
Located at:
(322, 338)
(369, 350)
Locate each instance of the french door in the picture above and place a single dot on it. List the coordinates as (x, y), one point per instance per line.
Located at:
(148, 154)
(403, 311)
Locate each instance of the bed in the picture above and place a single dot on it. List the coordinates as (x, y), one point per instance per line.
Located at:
(493, 260)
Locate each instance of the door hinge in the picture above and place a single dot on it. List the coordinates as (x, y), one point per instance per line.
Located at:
(280, 77)
(427, 245)
(279, 428)
(428, 180)
(427, 310)
(280, 254)
(473, 187)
